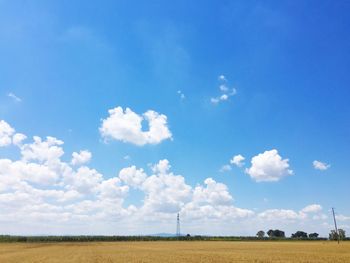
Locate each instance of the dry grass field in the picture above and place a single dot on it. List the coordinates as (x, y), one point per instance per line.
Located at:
(208, 251)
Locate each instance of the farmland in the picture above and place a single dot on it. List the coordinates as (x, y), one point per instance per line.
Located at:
(176, 251)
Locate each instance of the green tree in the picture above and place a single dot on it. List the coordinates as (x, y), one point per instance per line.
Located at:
(260, 234)
(313, 235)
(342, 235)
(333, 235)
(299, 234)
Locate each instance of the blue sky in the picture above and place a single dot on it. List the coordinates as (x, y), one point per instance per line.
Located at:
(284, 73)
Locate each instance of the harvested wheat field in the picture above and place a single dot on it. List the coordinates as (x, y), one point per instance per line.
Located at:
(176, 252)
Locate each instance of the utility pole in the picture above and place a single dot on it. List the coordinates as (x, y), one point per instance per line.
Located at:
(178, 233)
(335, 225)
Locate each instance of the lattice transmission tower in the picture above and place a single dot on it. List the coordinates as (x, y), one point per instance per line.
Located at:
(178, 232)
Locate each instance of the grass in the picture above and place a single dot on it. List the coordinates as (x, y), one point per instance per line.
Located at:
(161, 251)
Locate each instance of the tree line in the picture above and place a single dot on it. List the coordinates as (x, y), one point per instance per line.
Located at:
(333, 235)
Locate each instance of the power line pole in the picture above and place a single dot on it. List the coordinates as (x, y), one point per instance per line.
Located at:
(178, 233)
(335, 225)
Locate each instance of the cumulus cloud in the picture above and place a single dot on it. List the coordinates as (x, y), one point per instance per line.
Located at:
(6, 132)
(279, 214)
(81, 157)
(320, 165)
(41, 187)
(18, 138)
(226, 92)
(133, 176)
(237, 160)
(288, 214)
(126, 126)
(312, 208)
(268, 167)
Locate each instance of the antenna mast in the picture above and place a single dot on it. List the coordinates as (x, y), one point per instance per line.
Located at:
(335, 224)
(178, 233)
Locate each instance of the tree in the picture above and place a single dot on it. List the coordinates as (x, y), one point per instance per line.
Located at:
(333, 235)
(279, 233)
(276, 233)
(270, 233)
(313, 235)
(260, 234)
(341, 234)
(299, 234)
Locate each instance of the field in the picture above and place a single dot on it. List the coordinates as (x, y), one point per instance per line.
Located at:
(160, 251)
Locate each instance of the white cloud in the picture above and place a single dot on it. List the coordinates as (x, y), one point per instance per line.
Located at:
(84, 180)
(268, 167)
(81, 157)
(279, 214)
(14, 97)
(225, 90)
(181, 94)
(42, 151)
(342, 218)
(18, 138)
(6, 131)
(225, 168)
(132, 176)
(314, 208)
(222, 78)
(41, 193)
(162, 167)
(126, 126)
(320, 165)
(285, 215)
(112, 189)
(237, 160)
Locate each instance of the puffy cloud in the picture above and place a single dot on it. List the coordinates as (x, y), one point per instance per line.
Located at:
(126, 126)
(6, 132)
(268, 167)
(18, 138)
(132, 176)
(81, 157)
(279, 214)
(320, 165)
(162, 167)
(42, 151)
(287, 214)
(164, 191)
(213, 201)
(314, 208)
(41, 187)
(213, 193)
(112, 189)
(84, 180)
(237, 160)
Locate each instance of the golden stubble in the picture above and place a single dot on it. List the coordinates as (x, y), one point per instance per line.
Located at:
(160, 251)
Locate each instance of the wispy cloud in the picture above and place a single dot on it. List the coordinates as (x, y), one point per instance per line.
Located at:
(226, 91)
(182, 96)
(320, 165)
(225, 168)
(14, 97)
